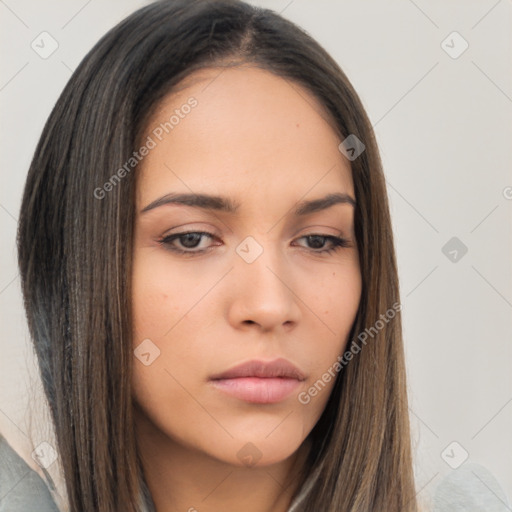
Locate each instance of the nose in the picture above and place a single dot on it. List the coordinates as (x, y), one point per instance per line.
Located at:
(262, 293)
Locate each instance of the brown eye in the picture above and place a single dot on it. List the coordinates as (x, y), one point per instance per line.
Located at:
(317, 242)
(190, 240)
(186, 242)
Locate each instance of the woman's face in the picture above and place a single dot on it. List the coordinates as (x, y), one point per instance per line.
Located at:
(243, 270)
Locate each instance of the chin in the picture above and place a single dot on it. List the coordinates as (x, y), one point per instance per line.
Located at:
(260, 450)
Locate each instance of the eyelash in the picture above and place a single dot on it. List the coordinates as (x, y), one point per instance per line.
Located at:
(337, 242)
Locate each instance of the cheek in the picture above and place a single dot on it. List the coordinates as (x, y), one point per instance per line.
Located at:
(334, 300)
(160, 296)
(164, 384)
(166, 304)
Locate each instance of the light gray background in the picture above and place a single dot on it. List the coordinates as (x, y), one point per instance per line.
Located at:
(444, 128)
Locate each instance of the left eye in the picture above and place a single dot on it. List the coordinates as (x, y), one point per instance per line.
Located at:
(319, 240)
(191, 240)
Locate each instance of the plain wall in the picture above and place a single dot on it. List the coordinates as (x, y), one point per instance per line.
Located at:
(444, 128)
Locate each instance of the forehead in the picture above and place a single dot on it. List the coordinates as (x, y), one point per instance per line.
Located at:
(247, 129)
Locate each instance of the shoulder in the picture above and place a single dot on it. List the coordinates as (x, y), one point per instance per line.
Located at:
(471, 487)
(21, 488)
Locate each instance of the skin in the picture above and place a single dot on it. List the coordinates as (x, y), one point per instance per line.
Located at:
(267, 144)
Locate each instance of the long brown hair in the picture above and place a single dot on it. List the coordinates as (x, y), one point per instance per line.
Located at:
(75, 258)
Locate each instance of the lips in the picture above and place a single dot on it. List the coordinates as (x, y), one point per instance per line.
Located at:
(261, 369)
(259, 381)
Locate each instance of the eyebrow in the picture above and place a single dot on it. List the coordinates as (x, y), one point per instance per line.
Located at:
(224, 204)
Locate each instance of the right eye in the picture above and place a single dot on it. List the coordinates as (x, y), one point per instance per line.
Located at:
(187, 241)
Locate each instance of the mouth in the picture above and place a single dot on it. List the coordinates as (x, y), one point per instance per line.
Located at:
(259, 381)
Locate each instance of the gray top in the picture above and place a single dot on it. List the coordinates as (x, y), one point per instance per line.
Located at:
(21, 488)
(470, 488)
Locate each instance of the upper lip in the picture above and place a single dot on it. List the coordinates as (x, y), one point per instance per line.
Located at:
(263, 369)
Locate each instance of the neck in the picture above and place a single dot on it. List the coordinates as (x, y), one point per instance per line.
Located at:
(186, 479)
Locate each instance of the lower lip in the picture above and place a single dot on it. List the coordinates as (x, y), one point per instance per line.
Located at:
(258, 390)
